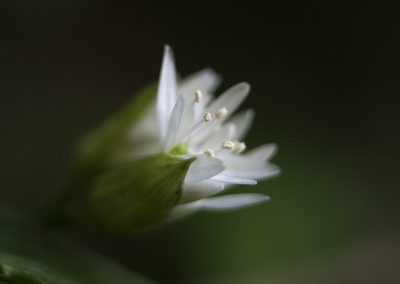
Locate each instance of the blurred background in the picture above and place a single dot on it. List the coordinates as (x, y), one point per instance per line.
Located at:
(325, 88)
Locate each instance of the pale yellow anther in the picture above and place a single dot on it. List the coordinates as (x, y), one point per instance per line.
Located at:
(207, 117)
(197, 96)
(209, 153)
(239, 147)
(221, 112)
(227, 145)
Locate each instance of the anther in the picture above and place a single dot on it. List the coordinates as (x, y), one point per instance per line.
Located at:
(239, 147)
(209, 153)
(197, 96)
(221, 112)
(227, 145)
(207, 117)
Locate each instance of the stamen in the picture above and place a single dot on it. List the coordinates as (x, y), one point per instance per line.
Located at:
(221, 112)
(227, 145)
(209, 153)
(239, 147)
(207, 117)
(197, 96)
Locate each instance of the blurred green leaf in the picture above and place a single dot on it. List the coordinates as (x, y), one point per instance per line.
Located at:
(32, 257)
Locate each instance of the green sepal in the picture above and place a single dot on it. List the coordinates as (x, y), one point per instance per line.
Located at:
(132, 195)
(96, 149)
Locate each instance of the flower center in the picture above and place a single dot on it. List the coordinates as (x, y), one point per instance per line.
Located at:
(208, 119)
(179, 149)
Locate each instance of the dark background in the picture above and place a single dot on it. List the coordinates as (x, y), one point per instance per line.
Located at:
(325, 88)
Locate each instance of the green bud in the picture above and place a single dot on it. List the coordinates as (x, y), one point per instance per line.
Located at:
(132, 195)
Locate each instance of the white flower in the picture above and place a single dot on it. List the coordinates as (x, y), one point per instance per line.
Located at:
(187, 121)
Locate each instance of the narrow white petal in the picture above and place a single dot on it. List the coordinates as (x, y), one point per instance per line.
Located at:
(264, 152)
(166, 95)
(219, 203)
(242, 121)
(174, 123)
(205, 80)
(195, 191)
(255, 172)
(231, 98)
(232, 201)
(183, 210)
(233, 180)
(203, 168)
(249, 166)
(219, 134)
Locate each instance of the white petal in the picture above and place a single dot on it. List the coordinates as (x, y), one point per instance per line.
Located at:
(203, 168)
(166, 95)
(232, 201)
(256, 172)
(264, 152)
(225, 202)
(174, 123)
(233, 180)
(205, 80)
(231, 98)
(249, 165)
(195, 191)
(183, 210)
(219, 135)
(242, 122)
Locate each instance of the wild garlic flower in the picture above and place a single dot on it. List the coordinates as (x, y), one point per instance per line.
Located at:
(166, 155)
(189, 122)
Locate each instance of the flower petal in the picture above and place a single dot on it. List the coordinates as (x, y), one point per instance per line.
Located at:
(233, 180)
(203, 168)
(232, 201)
(251, 165)
(219, 203)
(256, 172)
(183, 210)
(205, 80)
(242, 121)
(214, 139)
(195, 191)
(230, 99)
(166, 95)
(264, 152)
(174, 123)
